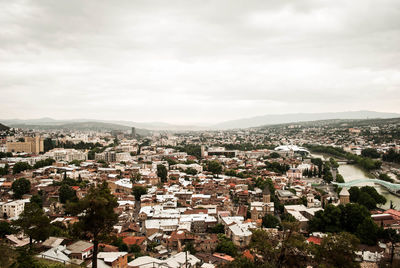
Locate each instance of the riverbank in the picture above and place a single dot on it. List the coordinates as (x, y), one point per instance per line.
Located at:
(353, 172)
(366, 163)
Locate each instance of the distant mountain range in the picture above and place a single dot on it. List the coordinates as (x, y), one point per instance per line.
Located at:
(46, 121)
(93, 126)
(257, 121)
(300, 117)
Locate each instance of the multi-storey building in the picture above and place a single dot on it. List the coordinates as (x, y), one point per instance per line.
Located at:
(33, 145)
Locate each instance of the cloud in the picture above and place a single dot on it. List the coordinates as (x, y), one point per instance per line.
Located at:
(197, 61)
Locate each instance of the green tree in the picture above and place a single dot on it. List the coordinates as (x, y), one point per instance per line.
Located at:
(370, 152)
(274, 155)
(137, 177)
(44, 163)
(352, 218)
(5, 229)
(162, 172)
(352, 215)
(391, 156)
(225, 245)
(34, 223)
(339, 178)
(270, 221)
(333, 163)
(75, 162)
(191, 171)
(189, 246)
(48, 144)
(4, 170)
(288, 250)
(385, 177)
(118, 242)
(367, 231)
(36, 198)
(134, 249)
(66, 193)
(21, 166)
(243, 262)
(20, 187)
(327, 220)
(337, 250)
(138, 191)
(230, 172)
(393, 237)
(366, 196)
(96, 215)
(217, 229)
(215, 167)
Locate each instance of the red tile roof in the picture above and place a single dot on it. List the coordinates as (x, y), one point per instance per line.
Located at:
(134, 240)
(223, 256)
(393, 212)
(248, 255)
(315, 240)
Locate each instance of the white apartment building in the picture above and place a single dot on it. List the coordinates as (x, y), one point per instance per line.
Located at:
(12, 209)
(123, 157)
(61, 154)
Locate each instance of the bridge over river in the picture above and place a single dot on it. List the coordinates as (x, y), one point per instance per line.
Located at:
(392, 187)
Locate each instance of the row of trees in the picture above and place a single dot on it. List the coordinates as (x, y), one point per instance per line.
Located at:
(80, 145)
(44, 163)
(22, 166)
(4, 155)
(190, 149)
(277, 167)
(244, 146)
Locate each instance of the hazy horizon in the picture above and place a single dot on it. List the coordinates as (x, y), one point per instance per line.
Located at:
(260, 118)
(197, 62)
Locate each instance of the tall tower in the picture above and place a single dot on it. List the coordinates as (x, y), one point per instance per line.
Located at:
(203, 151)
(266, 195)
(344, 196)
(254, 214)
(133, 133)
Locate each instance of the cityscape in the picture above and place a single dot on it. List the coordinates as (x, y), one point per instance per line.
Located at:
(209, 134)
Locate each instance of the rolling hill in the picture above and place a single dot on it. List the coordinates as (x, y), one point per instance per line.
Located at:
(93, 126)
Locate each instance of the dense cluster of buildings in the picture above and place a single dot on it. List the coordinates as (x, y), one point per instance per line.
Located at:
(187, 205)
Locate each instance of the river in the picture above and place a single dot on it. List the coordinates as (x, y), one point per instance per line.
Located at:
(353, 172)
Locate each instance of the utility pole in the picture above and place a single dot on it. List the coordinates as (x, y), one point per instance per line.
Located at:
(186, 265)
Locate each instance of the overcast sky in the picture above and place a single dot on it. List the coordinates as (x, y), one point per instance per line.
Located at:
(197, 61)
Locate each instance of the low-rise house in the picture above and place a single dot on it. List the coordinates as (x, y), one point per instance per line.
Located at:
(221, 258)
(180, 260)
(301, 213)
(287, 197)
(53, 242)
(294, 173)
(80, 250)
(111, 260)
(240, 233)
(163, 225)
(17, 241)
(58, 253)
(135, 240)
